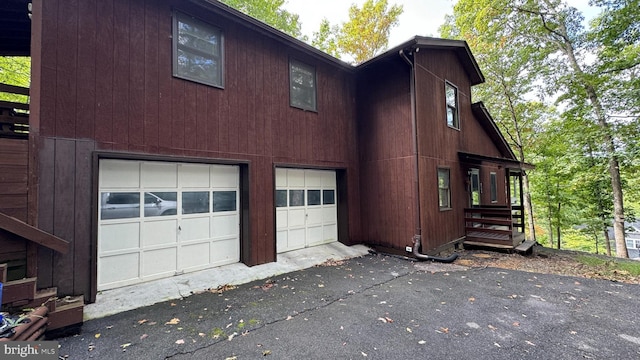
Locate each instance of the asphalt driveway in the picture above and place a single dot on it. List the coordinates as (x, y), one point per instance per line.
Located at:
(380, 307)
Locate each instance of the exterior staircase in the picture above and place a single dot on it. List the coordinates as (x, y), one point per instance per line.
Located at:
(48, 311)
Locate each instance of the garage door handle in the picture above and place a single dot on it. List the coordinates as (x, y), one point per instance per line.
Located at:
(179, 228)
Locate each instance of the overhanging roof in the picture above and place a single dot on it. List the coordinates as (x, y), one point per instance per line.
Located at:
(460, 47)
(508, 163)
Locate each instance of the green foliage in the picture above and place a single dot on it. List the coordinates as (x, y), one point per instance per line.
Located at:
(364, 35)
(15, 70)
(611, 265)
(270, 12)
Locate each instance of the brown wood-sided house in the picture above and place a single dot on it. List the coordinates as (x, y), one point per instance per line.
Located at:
(169, 136)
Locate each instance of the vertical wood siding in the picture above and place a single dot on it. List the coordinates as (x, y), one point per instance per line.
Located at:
(387, 164)
(106, 84)
(14, 167)
(439, 146)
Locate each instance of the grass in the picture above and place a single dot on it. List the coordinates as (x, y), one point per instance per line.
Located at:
(611, 265)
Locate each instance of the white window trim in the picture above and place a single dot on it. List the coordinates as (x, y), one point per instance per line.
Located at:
(448, 170)
(456, 118)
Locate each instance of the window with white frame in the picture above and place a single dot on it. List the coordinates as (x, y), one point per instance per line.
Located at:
(451, 95)
(494, 187)
(444, 190)
(302, 85)
(197, 51)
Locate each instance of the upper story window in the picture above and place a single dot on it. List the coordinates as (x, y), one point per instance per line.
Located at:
(302, 86)
(451, 93)
(197, 51)
(444, 190)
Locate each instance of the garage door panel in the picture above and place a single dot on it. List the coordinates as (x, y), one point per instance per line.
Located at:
(195, 229)
(329, 179)
(222, 226)
(118, 269)
(223, 176)
(281, 178)
(194, 176)
(330, 233)
(297, 217)
(295, 178)
(282, 218)
(313, 178)
(329, 214)
(120, 237)
(225, 251)
(314, 235)
(314, 216)
(159, 175)
(196, 255)
(159, 233)
(119, 174)
(296, 239)
(159, 262)
(282, 241)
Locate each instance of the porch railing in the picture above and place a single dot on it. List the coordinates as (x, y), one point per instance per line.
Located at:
(493, 225)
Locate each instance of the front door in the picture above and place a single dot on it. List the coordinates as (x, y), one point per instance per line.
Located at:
(474, 187)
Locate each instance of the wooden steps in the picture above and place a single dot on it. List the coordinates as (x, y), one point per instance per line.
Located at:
(22, 294)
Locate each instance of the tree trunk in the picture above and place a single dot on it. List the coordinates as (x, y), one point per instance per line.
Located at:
(607, 138)
(607, 242)
(558, 236)
(528, 207)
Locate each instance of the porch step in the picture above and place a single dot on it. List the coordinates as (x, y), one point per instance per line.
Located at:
(17, 292)
(67, 311)
(525, 246)
(3, 273)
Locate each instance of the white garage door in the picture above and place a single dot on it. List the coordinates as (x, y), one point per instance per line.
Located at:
(159, 219)
(306, 211)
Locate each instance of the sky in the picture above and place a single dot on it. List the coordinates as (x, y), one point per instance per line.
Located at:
(420, 17)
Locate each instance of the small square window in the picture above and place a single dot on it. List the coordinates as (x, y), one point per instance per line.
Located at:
(197, 51)
(296, 197)
(281, 198)
(328, 197)
(313, 197)
(444, 191)
(224, 201)
(451, 94)
(302, 86)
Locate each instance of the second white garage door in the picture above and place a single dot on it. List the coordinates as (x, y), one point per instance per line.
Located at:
(306, 210)
(159, 219)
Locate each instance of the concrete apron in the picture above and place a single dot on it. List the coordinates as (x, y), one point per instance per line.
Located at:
(114, 301)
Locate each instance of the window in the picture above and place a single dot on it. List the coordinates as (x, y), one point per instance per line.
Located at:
(197, 51)
(451, 93)
(444, 192)
(302, 86)
(494, 187)
(296, 197)
(224, 201)
(313, 197)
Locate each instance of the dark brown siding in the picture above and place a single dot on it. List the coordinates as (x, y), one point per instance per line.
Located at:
(439, 146)
(387, 163)
(14, 160)
(106, 84)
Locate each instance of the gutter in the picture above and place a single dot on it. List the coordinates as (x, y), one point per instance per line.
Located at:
(417, 238)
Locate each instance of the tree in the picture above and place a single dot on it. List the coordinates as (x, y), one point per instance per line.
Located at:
(271, 13)
(605, 89)
(364, 36)
(15, 70)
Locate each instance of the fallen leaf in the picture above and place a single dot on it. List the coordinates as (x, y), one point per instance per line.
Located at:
(409, 330)
(109, 327)
(202, 334)
(492, 327)
(144, 336)
(382, 319)
(444, 330)
(142, 321)
(173, 304)
(320, 285)
(530, 343)
(97, 336)
(422, 342)
(152, 323)
(232, 336)
(232, 358)
(266, 352)
(363, 354)
(289, 317)
(180, 342)
(388, 319)
(173, 321)
(124, 346)
(496, 344)
(472, 299)
(516, 323)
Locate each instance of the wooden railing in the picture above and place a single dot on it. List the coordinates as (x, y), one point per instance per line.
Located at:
(492, 225)
(14, 116)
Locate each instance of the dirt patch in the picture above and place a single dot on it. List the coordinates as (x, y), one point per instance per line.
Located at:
(548, 261)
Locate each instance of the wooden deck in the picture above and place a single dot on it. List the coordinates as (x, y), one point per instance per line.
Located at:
(492, 227)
